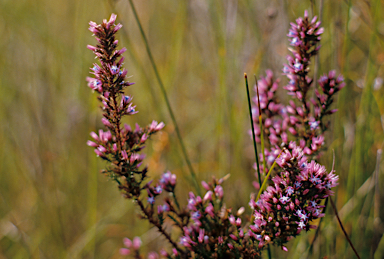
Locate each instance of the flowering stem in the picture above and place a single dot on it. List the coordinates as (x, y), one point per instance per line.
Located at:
(159, 227)
(261, 127)
(342, 228)
(192, 172)
(177, 223)
(117, 122)
(253, 130)
(175, 200)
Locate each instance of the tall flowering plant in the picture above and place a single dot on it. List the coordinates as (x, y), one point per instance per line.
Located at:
(304, 119)
(296, 132)
(208, 228)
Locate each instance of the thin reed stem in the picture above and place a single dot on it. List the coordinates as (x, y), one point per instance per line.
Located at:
(342, 228)
(253, 130)
(183, 149)
(261, 127)
(376, 206)
(262, 151)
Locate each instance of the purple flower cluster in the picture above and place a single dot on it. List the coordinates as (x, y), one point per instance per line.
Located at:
(215, 231)
(208, 228)
(294, 200)
(167, 183)
(131, 245)
(302, 120)
(305, 35)
(119, 145)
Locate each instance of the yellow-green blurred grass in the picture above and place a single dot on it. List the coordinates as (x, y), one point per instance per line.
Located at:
(53, 201)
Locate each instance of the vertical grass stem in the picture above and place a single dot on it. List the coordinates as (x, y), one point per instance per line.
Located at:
(192, 172)
(261, 126)
(253, 130)
(342, 228)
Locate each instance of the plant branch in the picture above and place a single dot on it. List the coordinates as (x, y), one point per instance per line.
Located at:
(159, 227)
(342, 228)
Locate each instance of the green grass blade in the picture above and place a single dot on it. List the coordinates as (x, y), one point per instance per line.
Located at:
(253, 130)
(183, 149)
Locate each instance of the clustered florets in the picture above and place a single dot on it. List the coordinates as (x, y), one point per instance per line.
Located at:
(210, 229)
(294, 200)
(118, 145)
(303, 120)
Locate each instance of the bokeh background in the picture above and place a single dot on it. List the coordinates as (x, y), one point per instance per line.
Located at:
(54, 203)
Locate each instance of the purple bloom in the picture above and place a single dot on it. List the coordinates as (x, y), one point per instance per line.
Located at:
(114, 69)
(298, 66)
(313, 203)
(196, 215)
(290, 190)
(303, 216)
(317, 212)
(314, 125)
(151, 200)
(284, 199)
(314, 179)
(301, 225)
(158, 189)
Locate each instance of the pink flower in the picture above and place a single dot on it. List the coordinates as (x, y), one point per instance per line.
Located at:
(127, 242)
(208, 196)
(205, 185)
(156, 126)
(210, 210)
(136, 243)
(219, 192)
(153, 255)
(124, 251)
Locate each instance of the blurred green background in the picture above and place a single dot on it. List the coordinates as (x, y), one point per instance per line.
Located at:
(54, 203)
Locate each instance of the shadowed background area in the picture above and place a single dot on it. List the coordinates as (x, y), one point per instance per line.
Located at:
(54, 203)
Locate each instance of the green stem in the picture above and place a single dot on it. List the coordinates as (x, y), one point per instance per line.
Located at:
(269, 252)
(266, 178)
(342, 228)
(261, 127)
(175, 200)
(262, 151)
(253, 130)
(192, 172)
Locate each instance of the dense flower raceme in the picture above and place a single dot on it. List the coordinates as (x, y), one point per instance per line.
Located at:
(214, 230)
(208, 228)
(301, 120)
(294, 200)
(119, 145)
